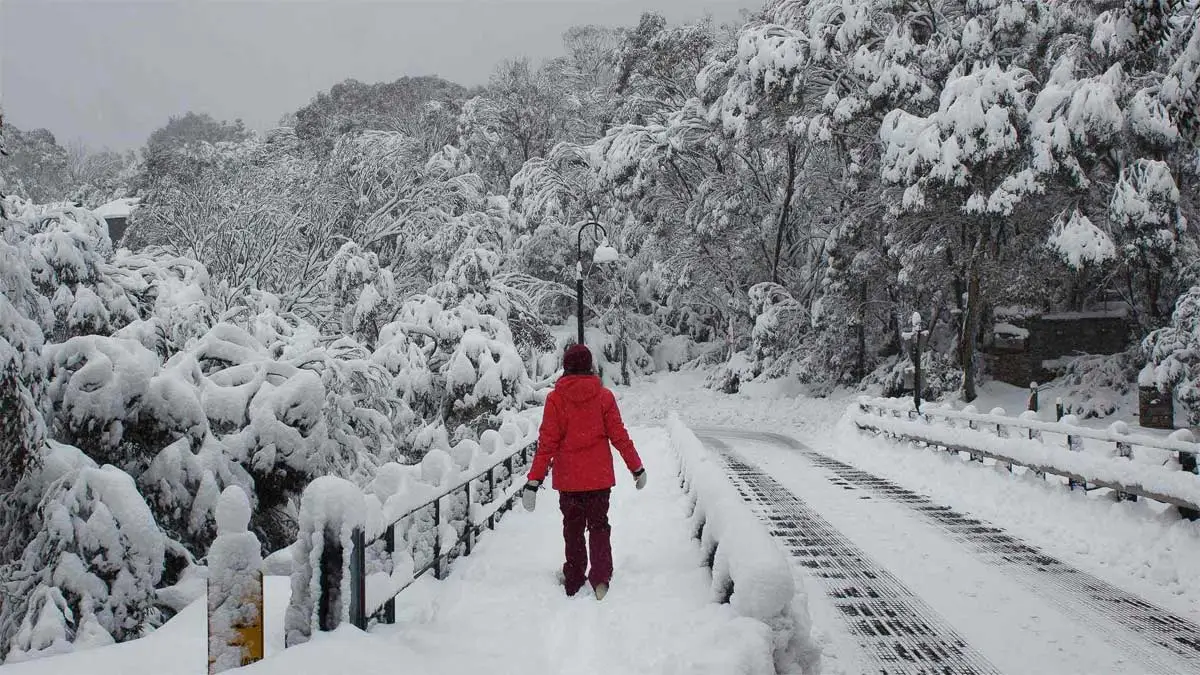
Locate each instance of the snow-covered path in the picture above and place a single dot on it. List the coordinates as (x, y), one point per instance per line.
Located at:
(502, 612)
(1014, 609)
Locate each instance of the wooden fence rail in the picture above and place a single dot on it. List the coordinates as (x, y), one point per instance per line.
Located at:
(977, 435)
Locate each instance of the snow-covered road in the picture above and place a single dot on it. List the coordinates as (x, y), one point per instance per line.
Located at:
(973, 597)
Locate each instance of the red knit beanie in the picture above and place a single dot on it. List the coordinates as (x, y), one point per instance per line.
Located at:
(577, 360)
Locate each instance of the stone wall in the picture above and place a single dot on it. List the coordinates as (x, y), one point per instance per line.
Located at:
(1054, 336)
(1156, 409)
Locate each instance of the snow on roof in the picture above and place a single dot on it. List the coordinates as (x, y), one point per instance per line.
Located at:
(118, 208)
(1114, 313)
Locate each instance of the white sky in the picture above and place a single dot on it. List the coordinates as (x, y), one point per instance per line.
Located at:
(109, 72)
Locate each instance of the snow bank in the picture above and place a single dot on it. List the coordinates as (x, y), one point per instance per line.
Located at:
(1153, 480)
(749, 570)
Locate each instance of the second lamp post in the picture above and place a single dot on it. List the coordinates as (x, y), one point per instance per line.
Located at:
(604, 254)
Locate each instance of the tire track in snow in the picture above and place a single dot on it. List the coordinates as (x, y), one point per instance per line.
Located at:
(901, 634)
(1093, 600)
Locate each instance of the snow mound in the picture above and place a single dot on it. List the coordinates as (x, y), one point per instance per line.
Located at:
(749, 570)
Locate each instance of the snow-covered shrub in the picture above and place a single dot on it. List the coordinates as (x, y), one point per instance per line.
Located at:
(235, 592)
(940, 375)
(69, 253)
(181, 294)
(1174, 354)
(730, 376)
(453, 364)
(362, 412)
(673, 352)
(779, 320)
(1099, 384)
(364, 292)
(22, 389)
(97, 385)
(89, 575)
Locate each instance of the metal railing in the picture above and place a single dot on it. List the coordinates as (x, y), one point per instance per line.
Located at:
(442, 551)
(1185, 451)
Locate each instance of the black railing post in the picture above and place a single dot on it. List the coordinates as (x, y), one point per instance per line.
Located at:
(491, 522)
(469, 522)
(1058, 409)
(389, 541)
(1187, 462)
(358, 579)
(437, 538)
(1033, 396)
(328, 615)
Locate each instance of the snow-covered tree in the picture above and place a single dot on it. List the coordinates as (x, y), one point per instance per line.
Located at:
(88, 576)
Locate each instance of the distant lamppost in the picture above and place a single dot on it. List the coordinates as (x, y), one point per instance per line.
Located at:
(604, 254)
(915, 338)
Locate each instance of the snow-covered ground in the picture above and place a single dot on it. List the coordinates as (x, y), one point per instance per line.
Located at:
(992, 607)
(1132, 545)
(501, 610)
(1129, 544)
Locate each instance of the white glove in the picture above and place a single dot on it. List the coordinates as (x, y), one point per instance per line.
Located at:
(529, 495)
(639, 478)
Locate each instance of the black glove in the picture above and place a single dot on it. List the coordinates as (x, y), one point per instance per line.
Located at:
(529, 494)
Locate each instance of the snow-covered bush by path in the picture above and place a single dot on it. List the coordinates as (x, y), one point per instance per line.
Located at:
(235, 593)
(1099, 384)
(749, 569)
(1173, 354)
(23, 313)
(97, 385)
(453, 364)
(89, 575)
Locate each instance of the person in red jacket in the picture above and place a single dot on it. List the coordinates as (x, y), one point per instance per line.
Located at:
(580, 420)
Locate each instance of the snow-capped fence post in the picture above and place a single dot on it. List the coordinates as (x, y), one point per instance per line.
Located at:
(1074, 444)
(1058, 409)
(1033, 396)
(437, 538)
(1187, 463)
(235, 587)
(1124, 449)
(1001, 432)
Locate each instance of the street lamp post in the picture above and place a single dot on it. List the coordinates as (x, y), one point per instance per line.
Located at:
(604, 253)
(918, 332)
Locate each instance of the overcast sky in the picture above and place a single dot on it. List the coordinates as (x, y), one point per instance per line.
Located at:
(109, 72)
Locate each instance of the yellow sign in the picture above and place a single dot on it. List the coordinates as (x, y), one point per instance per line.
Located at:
(249, 637)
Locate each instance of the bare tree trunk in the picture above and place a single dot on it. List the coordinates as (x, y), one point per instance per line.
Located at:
(785, 210)
(967, 339)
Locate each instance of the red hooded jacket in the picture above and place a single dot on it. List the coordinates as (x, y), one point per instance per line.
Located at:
(580, 419)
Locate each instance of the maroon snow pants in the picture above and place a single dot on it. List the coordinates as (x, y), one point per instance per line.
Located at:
(586, 510)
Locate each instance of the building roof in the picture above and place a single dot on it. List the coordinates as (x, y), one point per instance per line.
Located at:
(118, 208)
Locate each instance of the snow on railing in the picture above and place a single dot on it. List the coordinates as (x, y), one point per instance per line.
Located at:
(749, 570)
(1023, 441)
(358, 550)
